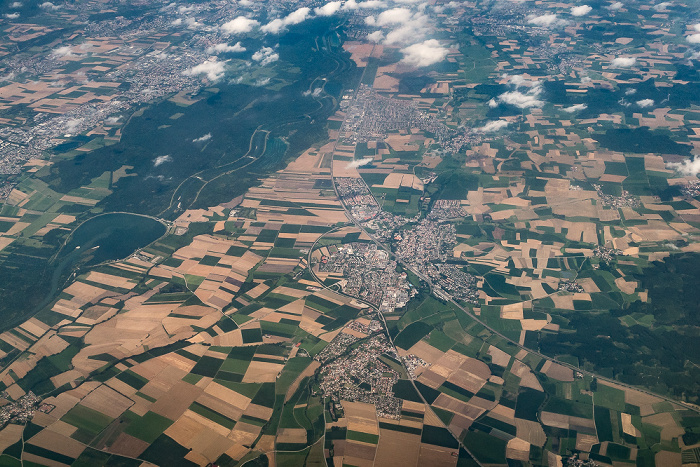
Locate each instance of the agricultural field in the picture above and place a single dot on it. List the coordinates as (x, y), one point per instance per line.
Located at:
(332, 248)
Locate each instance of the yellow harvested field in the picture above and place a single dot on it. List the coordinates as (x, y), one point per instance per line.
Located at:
(83, 292)
(10, 435)
(56, 442)
(585, 442)
(205, 423)
(184, 430)
(627, 287)
(530, 431)
(397, 449)
(498, 356)
(262, 372)
(558, 372)
(291, 435)
(107, 401)
(627, 426)
(112, 281)
(35, 327)
(425, 351)
(259, 411)
(177, 400)
(565, 421)
(361, 417)
(435, 456)
(669, 428)
(668, 458)
(518, 449)
(470, 382)
(127, 445)
(230, 396)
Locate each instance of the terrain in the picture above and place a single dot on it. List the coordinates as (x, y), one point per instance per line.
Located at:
(346, 233)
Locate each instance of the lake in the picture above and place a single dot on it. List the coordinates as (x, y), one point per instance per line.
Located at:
(109, 237)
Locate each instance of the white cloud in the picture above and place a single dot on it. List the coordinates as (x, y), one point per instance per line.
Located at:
(202, 139)
(695, 55)
(64, 51)
(394, 16)
(403, 35)
(16, 5)
(12, 15)
(407, 28)
(185, 9)
(522, 100)
(226, 48)
(265, 56)
(575, 108)
(192, 23)
(316, 93)
(176, 22)
(160, 160)
(49, 6)
(630, 91)
(693, 38)
(359, 163)
(582, 10)
(687, 167)
(245, 2)
(491, 127)
(369, 4)
(697, 27)
(278, 25)
(662, 6)
(113, 120)
(73, 124)
(376, 36)
(329, 9)
(424, 53)
(297, 16)
(623, 62)
(549, 20)
(644, 103)
(586, 79)
(275, 26)
(261, 82)
(212, 69)
(615, 6)
(239, 25)
(520, 80)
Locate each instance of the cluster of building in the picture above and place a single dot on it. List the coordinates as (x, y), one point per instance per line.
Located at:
(575, 461)
(606, 254)
(370, 116)
(452, 279)
(361, 376)
(355, 194)
(429, 241)
(384, 224)
(374, 326)
(447, 209)
(20, 411)
(691, 189)
(369, 274)
(570, 286)
(337, 347)
(413, 362)
(624, 200)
